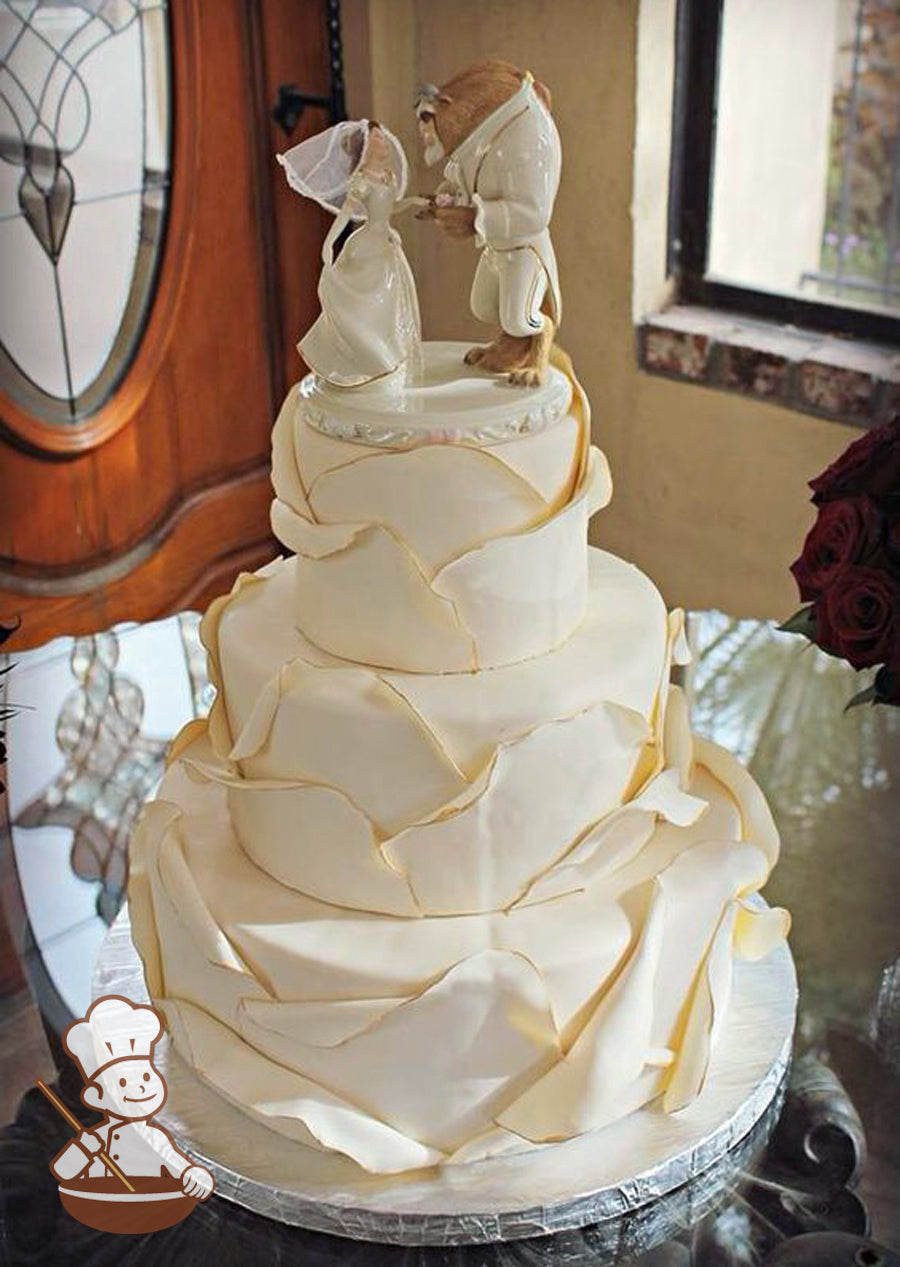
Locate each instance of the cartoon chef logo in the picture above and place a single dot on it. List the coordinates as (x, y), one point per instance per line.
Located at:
(125, 1174)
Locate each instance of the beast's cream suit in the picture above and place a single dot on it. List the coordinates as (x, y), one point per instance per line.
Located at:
(508, 170)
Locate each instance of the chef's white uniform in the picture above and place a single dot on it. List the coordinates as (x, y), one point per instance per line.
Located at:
(508, 170)
(137, 1148)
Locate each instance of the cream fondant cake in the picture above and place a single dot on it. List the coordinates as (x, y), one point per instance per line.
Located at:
(444, 873)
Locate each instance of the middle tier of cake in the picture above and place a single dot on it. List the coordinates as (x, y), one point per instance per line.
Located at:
(417, 919)
(444, 793)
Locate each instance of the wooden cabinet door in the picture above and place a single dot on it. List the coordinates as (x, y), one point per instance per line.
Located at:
(156, 498)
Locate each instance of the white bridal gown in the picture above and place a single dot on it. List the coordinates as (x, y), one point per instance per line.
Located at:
(369, 328)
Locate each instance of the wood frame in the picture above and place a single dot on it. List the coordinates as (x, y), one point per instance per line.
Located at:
(698, 31)
(212, 521)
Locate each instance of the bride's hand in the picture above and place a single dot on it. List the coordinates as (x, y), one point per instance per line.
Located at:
(422, 206)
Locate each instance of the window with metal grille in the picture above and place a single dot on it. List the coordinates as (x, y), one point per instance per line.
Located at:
(785, 183)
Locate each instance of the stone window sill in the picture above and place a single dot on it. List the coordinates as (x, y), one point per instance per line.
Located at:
(837, 378)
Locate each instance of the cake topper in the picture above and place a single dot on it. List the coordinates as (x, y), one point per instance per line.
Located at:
(369, 330)
(493, 125)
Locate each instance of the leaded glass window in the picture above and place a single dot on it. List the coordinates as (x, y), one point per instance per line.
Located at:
(85, 147)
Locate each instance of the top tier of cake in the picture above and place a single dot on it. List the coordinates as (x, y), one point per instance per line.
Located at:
(443, 528)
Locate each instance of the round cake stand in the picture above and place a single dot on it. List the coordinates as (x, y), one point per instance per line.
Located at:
(637, 1181)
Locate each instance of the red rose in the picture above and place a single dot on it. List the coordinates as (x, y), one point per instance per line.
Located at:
(858, 617)
(870, 465)
(844, 533)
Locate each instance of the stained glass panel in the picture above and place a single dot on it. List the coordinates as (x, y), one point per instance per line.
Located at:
(85, 110)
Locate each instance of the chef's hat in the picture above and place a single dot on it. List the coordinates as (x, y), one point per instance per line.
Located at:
(321, 166)
(113, 1029)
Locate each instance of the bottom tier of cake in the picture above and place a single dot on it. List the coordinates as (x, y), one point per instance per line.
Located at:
(408, 1042)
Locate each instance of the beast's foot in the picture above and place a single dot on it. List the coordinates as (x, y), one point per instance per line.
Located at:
(531, 376)
(474, 356)
(506, 353)
(531, 369)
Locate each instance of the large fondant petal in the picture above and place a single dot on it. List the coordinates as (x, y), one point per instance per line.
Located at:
(287, 480)
(681, 651)
(317, 453)
(346, 728)
(575, 942)
(581, 410)
(540, 793)
(474, 1038)
(324, 1023)
(757, 824)
(189, 907)
(314, 840)
(599, 489)
(286, 1102)
(620, 836)
(677, 743)
(759, 929)
(217, 723)
(700, 884)
(207, 968)
(308, 836)
(371, 603)
(549, 460)
(704, 1018)
(153, 822)
(581, 1091)
(523, 594)
(254, 733)
(304, 537)
(478, 495)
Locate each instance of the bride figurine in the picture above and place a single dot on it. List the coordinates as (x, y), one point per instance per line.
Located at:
(369, 330)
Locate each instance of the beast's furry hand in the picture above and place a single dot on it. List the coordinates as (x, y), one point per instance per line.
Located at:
(456, 222)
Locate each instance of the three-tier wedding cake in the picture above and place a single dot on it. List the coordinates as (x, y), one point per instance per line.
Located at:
(444, 872)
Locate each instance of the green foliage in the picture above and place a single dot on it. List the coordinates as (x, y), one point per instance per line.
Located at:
(864, 151)
(802, 622)
(868, 695)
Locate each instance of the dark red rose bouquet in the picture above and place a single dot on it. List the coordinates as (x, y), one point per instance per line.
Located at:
(848, 573)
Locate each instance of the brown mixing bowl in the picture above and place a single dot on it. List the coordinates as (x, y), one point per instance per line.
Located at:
(108, 1206)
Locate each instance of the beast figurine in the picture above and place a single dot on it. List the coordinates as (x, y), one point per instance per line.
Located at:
(492, 125)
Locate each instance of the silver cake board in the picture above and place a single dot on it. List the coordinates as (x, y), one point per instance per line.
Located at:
(649, 1173)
